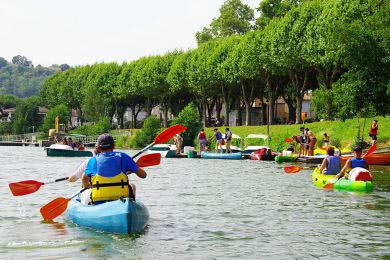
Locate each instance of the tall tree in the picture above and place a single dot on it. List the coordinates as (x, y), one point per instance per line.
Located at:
(235, 18)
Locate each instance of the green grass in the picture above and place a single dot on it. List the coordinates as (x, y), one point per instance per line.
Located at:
(343, 132)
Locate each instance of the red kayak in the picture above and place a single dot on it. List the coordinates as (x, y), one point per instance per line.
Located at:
(373, 159)
(262, 155)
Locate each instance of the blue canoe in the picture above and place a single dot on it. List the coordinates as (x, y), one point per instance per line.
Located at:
(231, 156)
(118, 216)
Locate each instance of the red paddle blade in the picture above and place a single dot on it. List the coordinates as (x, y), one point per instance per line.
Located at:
(288, 140)
(328, 186)
(149, 160)
(54, 208)
(370, 151)
(292, 169)
(169, 133)
(24, 187)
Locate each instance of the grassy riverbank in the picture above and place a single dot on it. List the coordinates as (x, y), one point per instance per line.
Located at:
(343, 133)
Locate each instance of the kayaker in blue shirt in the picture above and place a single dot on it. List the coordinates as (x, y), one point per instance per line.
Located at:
(108, 171)
(331, 163)
(218, 136)
(356, 161)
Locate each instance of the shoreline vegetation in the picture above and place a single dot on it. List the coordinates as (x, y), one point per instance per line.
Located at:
(342, 134)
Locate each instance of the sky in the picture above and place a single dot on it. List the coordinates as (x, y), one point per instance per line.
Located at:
(79, 32)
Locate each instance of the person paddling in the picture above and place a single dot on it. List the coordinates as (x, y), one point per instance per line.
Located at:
(354, 162)
(108, 171)
(331, 163)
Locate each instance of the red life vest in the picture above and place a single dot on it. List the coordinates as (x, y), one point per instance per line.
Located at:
(374, 131)
(202, 135)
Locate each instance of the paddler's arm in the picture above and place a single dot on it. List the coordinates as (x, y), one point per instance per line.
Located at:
(322, 166)
(141, 173)
(344, 169)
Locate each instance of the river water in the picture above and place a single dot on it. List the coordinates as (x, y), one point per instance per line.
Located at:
(200, 209)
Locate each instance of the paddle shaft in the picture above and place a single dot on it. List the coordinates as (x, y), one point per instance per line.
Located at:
(57, 180)
(143, 150)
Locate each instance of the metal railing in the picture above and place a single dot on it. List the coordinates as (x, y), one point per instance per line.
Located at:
(19, 138)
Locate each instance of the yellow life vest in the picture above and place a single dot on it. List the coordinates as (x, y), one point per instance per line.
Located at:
(109, 188)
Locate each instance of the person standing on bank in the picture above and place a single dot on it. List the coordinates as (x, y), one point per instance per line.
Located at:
(228, 140)
(202, 140)
(108, 171)
(218, 137)
(312, 141)
(326, 141)
(374, 132)
(178, 140)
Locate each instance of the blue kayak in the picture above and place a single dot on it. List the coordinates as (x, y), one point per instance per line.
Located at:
(118, 216)
(231, 156)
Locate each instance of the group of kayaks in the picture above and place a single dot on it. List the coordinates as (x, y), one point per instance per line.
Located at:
(127, 215)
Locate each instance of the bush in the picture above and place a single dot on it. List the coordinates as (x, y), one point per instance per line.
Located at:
(189, 117)
(336, 142)
(102, 126)
(146, 136)
(5, 128)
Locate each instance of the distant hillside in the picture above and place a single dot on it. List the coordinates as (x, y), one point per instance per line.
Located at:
(20, 78)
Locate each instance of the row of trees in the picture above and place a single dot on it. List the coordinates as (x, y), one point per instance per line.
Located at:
(337, 50)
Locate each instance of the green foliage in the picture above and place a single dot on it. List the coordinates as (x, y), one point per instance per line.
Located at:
(102, 126)
(235, 18)
(63, 114)
(146, 136)
(5, 128)
(8, 101)
(189, 117)
(26, 116)
(20, 78)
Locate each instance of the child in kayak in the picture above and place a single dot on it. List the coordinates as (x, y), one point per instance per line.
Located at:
(331, 164)
(355, 162)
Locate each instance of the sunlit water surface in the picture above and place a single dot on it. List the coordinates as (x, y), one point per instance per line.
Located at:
(200, 209)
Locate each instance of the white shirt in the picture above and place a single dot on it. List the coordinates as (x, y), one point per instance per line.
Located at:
(81, 169)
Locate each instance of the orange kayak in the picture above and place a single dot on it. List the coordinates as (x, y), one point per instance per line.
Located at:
(373, 159)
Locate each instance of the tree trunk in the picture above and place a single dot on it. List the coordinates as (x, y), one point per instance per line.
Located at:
(226, 99)
(291, 112)
(210, 108)
(204, 117)
(148, 106)
(165, 114)
(247, 100)
(300, 86)
(218, 107)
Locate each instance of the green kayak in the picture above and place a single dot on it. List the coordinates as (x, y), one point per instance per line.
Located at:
(281, 158)
(320, 180)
